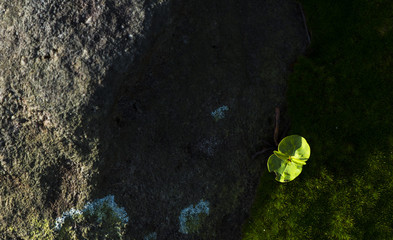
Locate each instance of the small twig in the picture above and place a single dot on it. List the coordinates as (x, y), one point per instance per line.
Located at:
(305, 23)
(277, 126)
(276, 129)
(259, 153)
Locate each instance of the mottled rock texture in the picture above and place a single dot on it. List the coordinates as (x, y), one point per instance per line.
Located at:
(115, 97)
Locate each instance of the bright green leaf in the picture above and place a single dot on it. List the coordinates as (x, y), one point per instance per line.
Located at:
(287, 162)
(295, 146)
(281, 155)
(298, 161)
(285, 170)
(275, 164)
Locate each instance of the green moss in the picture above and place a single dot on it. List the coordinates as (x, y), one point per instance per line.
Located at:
(41, 230)
(40, 170)
(339, 100)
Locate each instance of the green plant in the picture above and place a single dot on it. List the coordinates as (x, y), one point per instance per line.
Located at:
(41, 230)
(287, 162)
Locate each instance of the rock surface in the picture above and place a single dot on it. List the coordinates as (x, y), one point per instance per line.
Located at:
(115, 97)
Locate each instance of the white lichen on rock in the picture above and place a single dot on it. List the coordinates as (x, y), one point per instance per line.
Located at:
(109, 201)
(151, 236)
(68, 214)
(95, 208)
(192, 217)
(219, 112)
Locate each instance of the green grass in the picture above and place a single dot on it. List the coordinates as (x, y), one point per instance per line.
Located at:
(339, 98)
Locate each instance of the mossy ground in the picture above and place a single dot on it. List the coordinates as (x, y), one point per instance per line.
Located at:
(339, 99)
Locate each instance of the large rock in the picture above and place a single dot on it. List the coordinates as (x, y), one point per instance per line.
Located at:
(116, 97)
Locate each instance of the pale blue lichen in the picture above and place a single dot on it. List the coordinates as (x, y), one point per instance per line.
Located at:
(95, 208)
(98, 204)
(68, 214)
(192, 217)
(151, 236)
(219, 112)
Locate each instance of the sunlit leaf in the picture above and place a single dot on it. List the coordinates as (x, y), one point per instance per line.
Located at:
(285, 170)
(287, 162)
(295, 146)
(281, 155)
